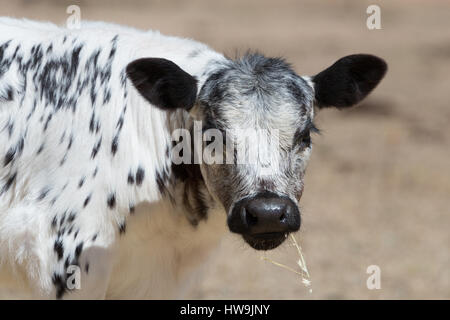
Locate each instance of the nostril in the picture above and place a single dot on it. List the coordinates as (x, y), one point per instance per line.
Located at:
(264, 213)
(250, 219)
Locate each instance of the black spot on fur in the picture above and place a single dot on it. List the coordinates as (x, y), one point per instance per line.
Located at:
(63, 219)
(59, 249)
(81, 182)
(70, 142)
(9, 96)
(63, 160)
(92, 123)
(130, 178)
(60, 285)
(8, 183)
(10, 128)
(86, 201)
(47, 122)
(111, 201)
(41, 148)
(9, 157)
(54, 221)
(71, 217)
(43, 193)
(161, 180)
(122, 227)
(115, 145)
(96, 148)
(78, 250)
(140, 174)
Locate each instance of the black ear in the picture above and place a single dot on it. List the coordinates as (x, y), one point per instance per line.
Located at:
(163, 83)
(348, 80)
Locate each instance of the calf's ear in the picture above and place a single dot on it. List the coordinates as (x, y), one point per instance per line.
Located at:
(162, 83)
(348, 80)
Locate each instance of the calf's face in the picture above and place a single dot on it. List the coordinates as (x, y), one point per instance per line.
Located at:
(257, 118)
(265, 112)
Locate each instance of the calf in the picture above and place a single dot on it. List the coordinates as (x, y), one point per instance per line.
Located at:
(95, 180)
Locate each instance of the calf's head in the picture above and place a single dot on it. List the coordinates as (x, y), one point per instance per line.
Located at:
(257, 117)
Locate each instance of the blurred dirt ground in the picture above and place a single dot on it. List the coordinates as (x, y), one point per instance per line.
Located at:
(378, 186)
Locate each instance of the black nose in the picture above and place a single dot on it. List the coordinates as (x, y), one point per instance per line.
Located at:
(263, 214)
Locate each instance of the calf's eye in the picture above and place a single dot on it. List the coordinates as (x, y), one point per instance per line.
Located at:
(303, 140)
(306, 140)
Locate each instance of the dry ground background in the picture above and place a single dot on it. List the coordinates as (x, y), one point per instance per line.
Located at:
(378, 187)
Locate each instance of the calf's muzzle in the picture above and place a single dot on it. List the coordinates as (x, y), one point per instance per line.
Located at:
(264, 219)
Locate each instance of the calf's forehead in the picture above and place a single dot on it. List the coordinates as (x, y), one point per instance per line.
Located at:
(257, 91)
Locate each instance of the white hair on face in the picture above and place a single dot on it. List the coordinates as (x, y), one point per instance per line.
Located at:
(309, 81)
